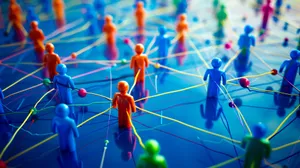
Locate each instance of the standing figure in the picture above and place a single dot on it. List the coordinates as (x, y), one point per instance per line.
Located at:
(59, 12)
(267, 10)
(37, 37)
(163, 42)
(245, 41)
(31, 16)
(100, 7)
(182, 27)
(257, 147)
(139, 63)
(125, 104)
(16, 21)
(215, 77)
(137, 1)
(140, 15)
(67, 131)
(182, 7)
(110, 30)
(64, 84)
(221, 17)
(152, 158)
(51, 60)
(278, 5)
(90, 16)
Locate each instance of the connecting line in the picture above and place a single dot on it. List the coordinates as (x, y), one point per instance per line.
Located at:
(135, 80)
(16, 132)
(231, 60)
(22, 79)
(198, 53)
(257, 56)
(250, 76)
(53, 136)
(24, 90)
(135, 132)
(190, 126)
(30, 133)
(226, 162)
(283, 122)
(289, 83)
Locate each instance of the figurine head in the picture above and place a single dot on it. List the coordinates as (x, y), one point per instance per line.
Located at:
(34, 25)
(216, 63)
(222, 7)
(49, 47)
(61, 69)
(139, 48)
(126, 155)
(62, 111)
(248, 29)
(12, 1)
(123, 86)
(152, 147)
(162, 30)
(140, 4)
(30, 10)
(281, 111)
(209, 124)
(294, 54)
(182, 17)
(259, 130)
(108, 19)
(269, 1)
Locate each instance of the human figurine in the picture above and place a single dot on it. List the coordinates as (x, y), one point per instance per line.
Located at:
(110, 30)
(140, 15)
(51, 60)
(257, 147)
(211, 112)
(221, 17)
(182, 7)
(182, 27)
(100, 7)
(136, 1)
(59, 12)
(151, 158)
(215, 77)
(267, 11)
(67, 131)
(163, 42)
(278, 5)
(37, 37)
(125, 104)
(246, 40)
(31, 15)
(126, 142)
(139, 63)
(291, 68)
(64, 84)
(90, 16)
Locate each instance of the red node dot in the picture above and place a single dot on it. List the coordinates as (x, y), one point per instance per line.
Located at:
(73, 55)
(244, 82)
(231, 104)
(228, 46)
(286, 39)
(126, 40)
(2, 164)
(274, 72)
(82, 92)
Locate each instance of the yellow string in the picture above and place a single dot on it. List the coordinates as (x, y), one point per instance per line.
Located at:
(134, 83)
(24, 90)
(231, 60)
(251, 76)
(99, 95)
(135, 132)
(257, 56)
(286, 145)
(283, 122)
(190, 126)
(226, 162)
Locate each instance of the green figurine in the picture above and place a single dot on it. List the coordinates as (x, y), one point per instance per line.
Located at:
(221, 16)
(257, 147)
(216, 4)
(176, 2)
(151, 158)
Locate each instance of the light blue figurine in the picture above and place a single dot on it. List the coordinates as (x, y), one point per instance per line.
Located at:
(215, 77)
(163, 42)
(291, 67)
(245, 42)
(67, 131)
(100, 7)
(64, 84)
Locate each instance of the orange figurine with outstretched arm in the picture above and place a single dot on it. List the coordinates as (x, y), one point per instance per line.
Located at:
(125, 104)
(140, 15)
(37, 36)
(139, 63)
(182, 27)
(110, 30)
(51, 60)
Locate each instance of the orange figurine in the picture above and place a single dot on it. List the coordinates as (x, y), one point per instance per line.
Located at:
(51, 60)
(139, 62)
(140, 15)
(182, 27)
(59, 12)
(37, 36)
(125, 104)
(16, 20)
(110, 29)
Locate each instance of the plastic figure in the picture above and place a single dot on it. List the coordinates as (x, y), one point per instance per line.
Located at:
(211, 113)
(125, 104)
(51, 60)
(110, 30)
(16, 21)
(67, 131)
(216, 4)
(182, 27)
(257, 147)
(64, 84)
(291, 67)
(215, 77)
(245, 41)
(125, 141)
(91, 16)
(140, 15)
(100, 7)
(278, 5)
(31, 15)
(37, 37)
(139, 63)
(221, 17)
(181, 50)
(267, 10)
(59, 9)
(163, 42)
(152, 158)
(182, 7)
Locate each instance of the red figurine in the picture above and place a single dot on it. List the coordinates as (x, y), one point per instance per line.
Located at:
(110, 29)
(125, 104)
(139, 63)
(51, 60)
(267, 10)
(37, 37)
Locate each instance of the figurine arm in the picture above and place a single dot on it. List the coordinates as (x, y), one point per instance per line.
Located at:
(74, 128)
(224, 78)
(283, 65)
(132, 62)
(1, 94)
(71, 83)
(114, 101)
(58, 59)
(253, 41)
(132, 104)
(206, 75)
(146, 61)
(245, 141)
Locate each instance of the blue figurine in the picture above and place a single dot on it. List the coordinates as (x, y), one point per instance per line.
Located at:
(67, 131)
(100, 7)
(182, 7)
(245, 41)
(163, 42)
(211, 113)
(31, 15)
(46, 6)
(291, 67)
(126, 142)
(278, 5)
(215, 77)
(64, 84)
(91, 16)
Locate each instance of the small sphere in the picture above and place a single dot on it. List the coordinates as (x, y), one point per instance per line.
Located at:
(231, 104)
(82, 92)
(288, 6)
(106, 141)
(123, 61)
(228, 46)
(244, 18)
(225, 58)
(238, 102)
(244, 82)
(259, 130)
(2, 164)
(46, 81)
(126, 40)
(274, 72)
(286, 39)
(207, 42)
(270, 88)
(73, 55)
(156, 65)
(195, 19)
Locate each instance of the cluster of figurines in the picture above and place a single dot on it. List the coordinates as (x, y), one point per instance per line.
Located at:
(66, 119)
